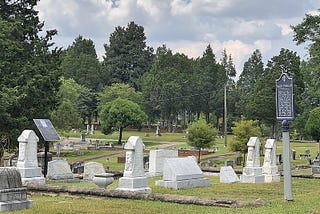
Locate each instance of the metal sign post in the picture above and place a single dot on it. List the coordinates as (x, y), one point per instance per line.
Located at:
(285, 113)
(48, 133)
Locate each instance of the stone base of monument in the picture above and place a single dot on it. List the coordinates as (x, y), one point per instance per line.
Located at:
(184, 184)
(271, 178)
(136, 184)
(252, 175)
(14, 199)
(35, 180)
(315, 169)
(271, 174)
(31, 175)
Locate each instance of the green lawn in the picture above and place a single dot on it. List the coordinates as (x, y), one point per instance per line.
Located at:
(305, 193)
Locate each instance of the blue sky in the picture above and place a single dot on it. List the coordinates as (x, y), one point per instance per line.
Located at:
(185, 26)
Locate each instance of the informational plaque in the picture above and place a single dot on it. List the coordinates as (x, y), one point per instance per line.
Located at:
(46, 129)
(284, 98)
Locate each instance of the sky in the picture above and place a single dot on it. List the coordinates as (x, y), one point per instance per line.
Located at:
(184, 26)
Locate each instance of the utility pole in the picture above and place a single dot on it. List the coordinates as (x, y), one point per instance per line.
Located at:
(225, 112)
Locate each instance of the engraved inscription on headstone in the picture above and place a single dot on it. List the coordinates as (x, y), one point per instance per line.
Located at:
(46, 129)
(284, 98)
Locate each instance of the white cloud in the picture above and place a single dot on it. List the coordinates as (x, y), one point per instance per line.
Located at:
(186, 26)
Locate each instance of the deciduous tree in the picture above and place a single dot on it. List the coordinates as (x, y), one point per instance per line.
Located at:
(119, 114)
(201, 135)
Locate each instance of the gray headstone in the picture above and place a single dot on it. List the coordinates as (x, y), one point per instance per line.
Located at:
(92, 168)
(182, 173)
(156, 160)
(13, 196)
(228, 175)
(59, 170)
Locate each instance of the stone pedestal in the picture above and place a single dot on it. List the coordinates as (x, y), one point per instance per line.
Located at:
(137, 184)
(103, 180)
(252, 175)
(27, 160)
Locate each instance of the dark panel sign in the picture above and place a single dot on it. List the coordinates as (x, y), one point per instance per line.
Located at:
(284, 98)
(46, 129)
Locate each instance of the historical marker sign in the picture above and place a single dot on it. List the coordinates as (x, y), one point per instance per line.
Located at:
(46, 129)
(284, 98)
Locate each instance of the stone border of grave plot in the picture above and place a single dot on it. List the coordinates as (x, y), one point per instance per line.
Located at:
(180, 199)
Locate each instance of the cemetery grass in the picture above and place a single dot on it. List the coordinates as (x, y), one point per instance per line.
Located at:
(145, 136)
(305, 193)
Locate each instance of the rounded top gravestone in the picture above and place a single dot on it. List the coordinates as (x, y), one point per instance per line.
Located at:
(9, 178)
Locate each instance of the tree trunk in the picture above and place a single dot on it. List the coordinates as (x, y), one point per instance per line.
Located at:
(244, 160)
(199, 155)
(1, 155)
(120, 135)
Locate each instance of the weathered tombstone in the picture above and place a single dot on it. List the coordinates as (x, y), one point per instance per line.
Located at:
(92, 168)
(279, 159)
(294, 152)
(158, 131)
(156, 160)
(182, 173)
(228, 175)
(134, 178)
(27, 160)
(12, 195)
(229, 163)
(59, 170)
(270, 168)
(252, 173)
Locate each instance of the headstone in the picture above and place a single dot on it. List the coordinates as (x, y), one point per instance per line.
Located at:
(182, 173)
(228, 175)
(27, 160)
(279, 159)
(156, 160)
(158, 133)
(59, 170)
(270, 168)
(134, 178)
(229, 163)
(12, 195)
(252, 173)
(92, 168)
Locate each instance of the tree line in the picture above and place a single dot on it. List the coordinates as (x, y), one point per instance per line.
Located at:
(72, 87)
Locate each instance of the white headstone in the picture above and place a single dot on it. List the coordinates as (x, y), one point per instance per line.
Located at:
(59, 170)
(156, 160)
(252, 173)
(134, 178)
(182, 173)
(253, 157)
(270, 168)
(92, 168)
(27, 160)
(228, 175)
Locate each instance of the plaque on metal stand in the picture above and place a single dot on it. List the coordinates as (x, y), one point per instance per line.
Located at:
(48, 133)
(285, 113)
